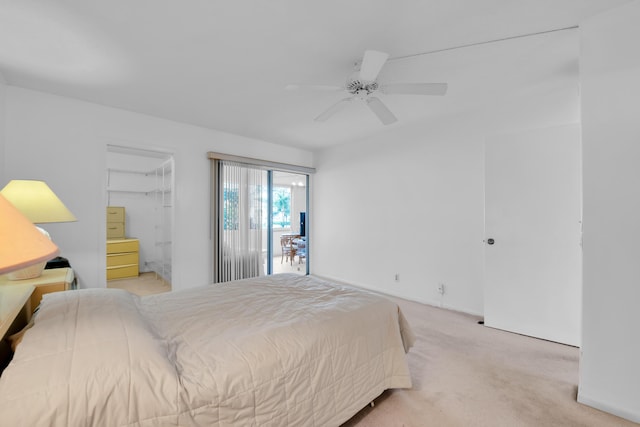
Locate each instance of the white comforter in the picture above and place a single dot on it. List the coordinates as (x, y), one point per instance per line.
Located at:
(281, 350)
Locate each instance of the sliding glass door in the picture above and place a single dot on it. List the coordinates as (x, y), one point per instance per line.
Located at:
(288, 220)
(259, 221)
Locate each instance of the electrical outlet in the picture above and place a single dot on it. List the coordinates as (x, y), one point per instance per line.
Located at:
(441, 288)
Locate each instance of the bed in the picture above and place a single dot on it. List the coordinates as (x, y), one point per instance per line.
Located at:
(281, 350)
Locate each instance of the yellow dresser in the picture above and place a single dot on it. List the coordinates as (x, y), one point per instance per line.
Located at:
(115, 222)
(122, 258)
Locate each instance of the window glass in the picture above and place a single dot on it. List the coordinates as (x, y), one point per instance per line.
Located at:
(230, 209)
(281, 207)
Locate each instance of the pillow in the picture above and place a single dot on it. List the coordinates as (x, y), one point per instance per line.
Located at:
(90, 358)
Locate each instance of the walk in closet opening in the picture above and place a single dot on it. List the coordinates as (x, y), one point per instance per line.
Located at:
(139, 216)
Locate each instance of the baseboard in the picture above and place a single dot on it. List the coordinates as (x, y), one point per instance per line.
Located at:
(433, 303)
(606, 407)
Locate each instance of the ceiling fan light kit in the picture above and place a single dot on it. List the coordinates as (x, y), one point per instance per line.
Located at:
(362, 84)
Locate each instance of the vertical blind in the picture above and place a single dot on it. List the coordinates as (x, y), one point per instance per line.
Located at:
(242, 198)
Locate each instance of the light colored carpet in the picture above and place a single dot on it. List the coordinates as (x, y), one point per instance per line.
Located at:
(465, 374)
(144, 284)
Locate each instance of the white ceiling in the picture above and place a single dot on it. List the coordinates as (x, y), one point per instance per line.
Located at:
(225, 64)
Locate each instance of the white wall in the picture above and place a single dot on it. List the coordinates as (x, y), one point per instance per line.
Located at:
(3, 89)
(411, 201)
(63, 142)
(610, 66)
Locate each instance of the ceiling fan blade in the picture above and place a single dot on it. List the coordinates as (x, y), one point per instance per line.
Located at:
(372, 63)
(415, 88)
(333, 109)
(384, 114)
(324, 88)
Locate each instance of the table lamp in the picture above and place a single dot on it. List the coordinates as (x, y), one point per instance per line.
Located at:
(39, 204)
(22, 245)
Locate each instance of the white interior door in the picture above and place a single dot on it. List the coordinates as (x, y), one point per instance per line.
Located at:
(532, 215)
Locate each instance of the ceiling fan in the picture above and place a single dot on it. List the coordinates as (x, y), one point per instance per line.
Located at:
(362, 85)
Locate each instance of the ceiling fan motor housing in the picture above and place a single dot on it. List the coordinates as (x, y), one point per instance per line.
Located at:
(357, 86)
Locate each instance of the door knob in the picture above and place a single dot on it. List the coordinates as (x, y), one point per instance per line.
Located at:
(490, 241)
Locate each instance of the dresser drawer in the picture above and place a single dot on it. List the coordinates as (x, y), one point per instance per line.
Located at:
(122, 272)
(115, 230)
(115, 214)
(122, 245)
(127, 258)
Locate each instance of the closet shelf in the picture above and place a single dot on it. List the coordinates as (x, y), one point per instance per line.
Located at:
(145, 192)
(165, 171)
(121, 190)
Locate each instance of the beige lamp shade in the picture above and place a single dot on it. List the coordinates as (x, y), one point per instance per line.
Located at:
(21, 244)
(36, 201)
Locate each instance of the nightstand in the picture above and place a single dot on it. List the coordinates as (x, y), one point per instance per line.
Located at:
(51, 280)
(14, 300)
